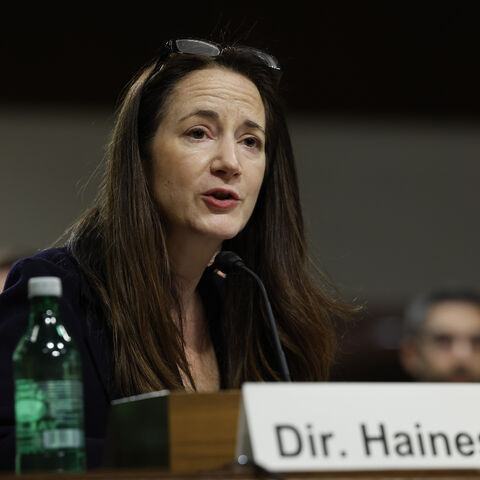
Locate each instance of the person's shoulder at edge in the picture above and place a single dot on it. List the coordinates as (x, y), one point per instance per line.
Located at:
(14, 305)
(51, 257)
(50, 262)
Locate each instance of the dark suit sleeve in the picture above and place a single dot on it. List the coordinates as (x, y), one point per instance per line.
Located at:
(14, 311)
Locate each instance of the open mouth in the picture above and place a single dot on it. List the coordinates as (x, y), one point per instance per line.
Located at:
(221, 198)
(222, 194)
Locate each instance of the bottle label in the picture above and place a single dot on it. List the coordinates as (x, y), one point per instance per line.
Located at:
(62, 438)
(49, 415)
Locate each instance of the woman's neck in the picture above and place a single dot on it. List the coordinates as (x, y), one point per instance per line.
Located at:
(188, 260)
(189, 256)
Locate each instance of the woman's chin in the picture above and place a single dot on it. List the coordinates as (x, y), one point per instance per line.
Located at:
(223, 235)
(220, 233)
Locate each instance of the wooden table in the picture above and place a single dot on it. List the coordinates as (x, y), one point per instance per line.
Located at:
(245, 473)
(202, 436)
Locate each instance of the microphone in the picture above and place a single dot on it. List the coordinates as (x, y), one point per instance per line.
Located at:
(228, 262)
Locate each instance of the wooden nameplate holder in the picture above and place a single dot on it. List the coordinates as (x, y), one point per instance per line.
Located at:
(178, 431)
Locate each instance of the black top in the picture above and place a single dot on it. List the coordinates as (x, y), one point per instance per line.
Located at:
(93, 338)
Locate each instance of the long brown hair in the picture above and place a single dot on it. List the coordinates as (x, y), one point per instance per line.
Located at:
(120, 246)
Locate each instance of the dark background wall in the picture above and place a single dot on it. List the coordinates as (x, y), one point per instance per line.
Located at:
(413, 58)
(384, 107)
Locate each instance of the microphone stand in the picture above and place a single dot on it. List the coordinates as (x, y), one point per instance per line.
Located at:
(230, 261)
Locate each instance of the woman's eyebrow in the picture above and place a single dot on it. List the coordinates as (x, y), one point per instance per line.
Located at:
(252, 124)
(215, 116)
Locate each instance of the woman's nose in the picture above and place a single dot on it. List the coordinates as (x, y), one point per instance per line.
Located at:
(226, 162)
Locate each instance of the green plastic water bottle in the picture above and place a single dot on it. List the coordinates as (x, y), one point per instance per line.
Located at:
(48, 388)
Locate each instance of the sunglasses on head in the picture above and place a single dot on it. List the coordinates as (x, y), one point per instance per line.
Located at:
(191, 46)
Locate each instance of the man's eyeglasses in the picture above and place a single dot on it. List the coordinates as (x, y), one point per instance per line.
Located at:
(206, 48)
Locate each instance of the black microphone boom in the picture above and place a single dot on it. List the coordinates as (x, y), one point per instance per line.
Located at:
(228, 262)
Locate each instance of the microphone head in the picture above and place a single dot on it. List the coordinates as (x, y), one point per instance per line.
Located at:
(228, 262)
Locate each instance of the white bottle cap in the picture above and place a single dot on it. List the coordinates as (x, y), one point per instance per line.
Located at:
(40, 286)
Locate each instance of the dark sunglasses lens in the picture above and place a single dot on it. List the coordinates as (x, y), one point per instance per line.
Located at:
(197, 47)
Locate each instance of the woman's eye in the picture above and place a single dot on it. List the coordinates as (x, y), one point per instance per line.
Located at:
(252, 142)
(196, 133)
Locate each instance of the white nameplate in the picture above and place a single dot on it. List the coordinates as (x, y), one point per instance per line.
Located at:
(360, 426)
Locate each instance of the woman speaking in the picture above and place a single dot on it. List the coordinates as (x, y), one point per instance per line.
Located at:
(199, 161)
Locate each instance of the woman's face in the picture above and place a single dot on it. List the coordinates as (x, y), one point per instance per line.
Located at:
(208, 154)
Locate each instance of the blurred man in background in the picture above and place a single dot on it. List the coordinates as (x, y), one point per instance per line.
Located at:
(442, 337)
